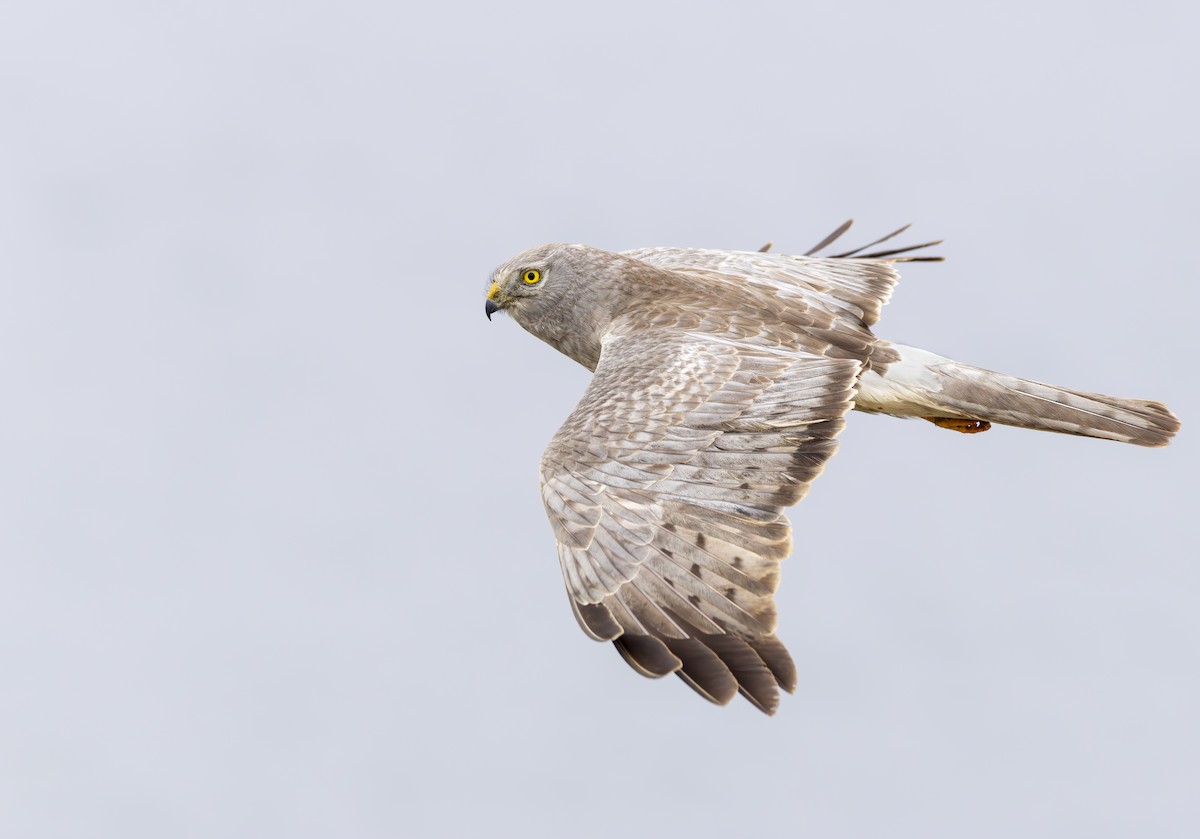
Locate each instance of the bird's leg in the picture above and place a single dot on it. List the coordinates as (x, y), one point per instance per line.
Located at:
(965, 426)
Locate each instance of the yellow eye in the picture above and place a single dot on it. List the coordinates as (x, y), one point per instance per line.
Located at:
(531, 276)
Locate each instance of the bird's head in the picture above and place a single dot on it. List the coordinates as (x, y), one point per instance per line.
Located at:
(527, 283)
(564, 294)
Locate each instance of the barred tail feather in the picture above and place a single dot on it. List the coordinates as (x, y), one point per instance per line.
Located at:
(926, 385)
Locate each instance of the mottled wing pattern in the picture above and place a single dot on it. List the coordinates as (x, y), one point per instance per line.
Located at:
(665, 489)
(853, 287)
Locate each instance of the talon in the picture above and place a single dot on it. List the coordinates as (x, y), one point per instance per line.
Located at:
(963, 426)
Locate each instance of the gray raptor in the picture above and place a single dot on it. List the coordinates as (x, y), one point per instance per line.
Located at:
(721, 379)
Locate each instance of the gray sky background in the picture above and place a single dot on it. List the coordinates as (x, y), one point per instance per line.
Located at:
(272, 556)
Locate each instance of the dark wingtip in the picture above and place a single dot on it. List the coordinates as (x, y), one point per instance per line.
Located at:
(831, 238)
(891, 254)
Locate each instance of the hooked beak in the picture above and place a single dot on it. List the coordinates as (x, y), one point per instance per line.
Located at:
(491, 306)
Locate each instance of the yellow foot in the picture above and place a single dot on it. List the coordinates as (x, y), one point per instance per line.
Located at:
(965, 426)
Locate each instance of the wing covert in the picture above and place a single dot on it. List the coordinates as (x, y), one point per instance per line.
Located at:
(855, 287)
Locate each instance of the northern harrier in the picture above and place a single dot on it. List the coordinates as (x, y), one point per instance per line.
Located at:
(721, 381)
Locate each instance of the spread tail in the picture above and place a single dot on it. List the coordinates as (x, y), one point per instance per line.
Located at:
(922, 384)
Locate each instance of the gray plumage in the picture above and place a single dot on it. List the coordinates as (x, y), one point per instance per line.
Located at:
(721, 380)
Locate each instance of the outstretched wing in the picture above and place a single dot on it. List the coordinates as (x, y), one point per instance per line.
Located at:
(666, 487)
(857, 289)
(853, 283)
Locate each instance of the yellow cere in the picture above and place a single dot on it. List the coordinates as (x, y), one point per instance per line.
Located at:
(494, 291)
(531, 277)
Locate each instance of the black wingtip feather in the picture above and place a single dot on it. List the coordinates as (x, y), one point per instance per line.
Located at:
(647, 655)
(596, 620)
(755, 680)
(831, 238)
(703, 670)
(718, 666)
(892, 254)
(895, 251)
(878, 241)
(775, 655)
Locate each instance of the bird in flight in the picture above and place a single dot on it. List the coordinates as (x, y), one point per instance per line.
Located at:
(720, 382)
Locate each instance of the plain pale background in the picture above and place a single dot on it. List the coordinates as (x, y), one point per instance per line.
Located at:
(272, 556)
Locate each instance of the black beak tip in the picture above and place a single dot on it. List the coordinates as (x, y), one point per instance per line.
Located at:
(490, 308)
